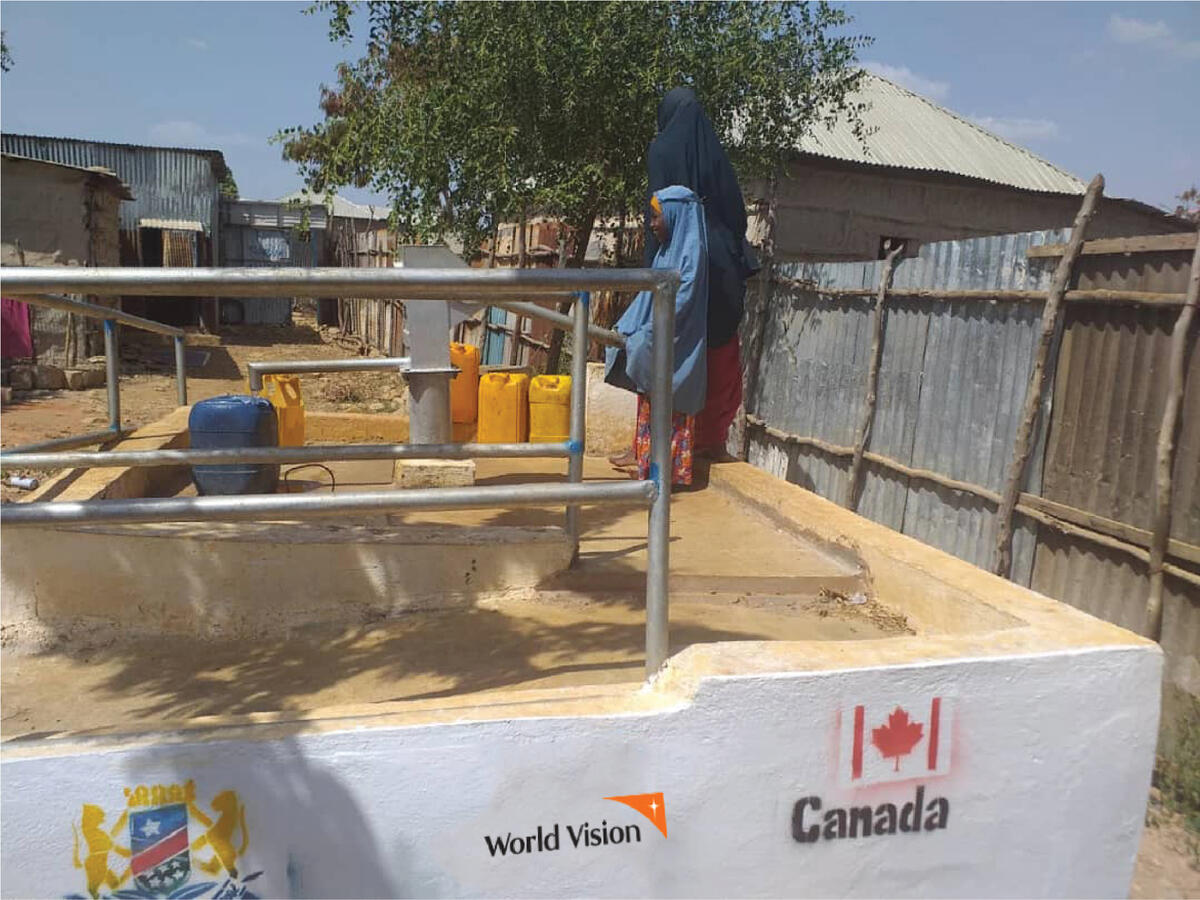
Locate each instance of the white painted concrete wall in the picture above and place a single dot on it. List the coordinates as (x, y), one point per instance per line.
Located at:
(1044, 763)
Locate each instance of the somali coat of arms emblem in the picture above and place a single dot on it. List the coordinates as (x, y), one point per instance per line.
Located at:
(163, 845)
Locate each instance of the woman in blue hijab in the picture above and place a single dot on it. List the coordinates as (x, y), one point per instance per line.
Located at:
(687, 152)
(677, 218)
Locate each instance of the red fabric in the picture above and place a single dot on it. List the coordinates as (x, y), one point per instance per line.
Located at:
(16, 340)
(683, 430)
(723, 399)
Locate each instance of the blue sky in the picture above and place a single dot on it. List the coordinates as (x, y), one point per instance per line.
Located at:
(1092, 87)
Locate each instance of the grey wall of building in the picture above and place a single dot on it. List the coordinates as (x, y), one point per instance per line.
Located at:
(828, 210)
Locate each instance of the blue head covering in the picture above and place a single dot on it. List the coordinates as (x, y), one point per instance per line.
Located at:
(686, 249)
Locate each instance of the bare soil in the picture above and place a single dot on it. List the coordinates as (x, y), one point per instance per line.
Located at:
(1168, 863)
(148, 390)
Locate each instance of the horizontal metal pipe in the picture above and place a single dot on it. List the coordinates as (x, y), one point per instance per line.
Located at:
(95, 311)
(279, 455)
(271, 507)
(562, 321)
(468, 285)
(63, 443)
(256, 370)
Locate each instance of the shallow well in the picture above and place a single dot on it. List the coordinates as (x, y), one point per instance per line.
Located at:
(388, 701)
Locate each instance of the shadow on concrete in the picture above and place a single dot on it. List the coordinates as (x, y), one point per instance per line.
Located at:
(586, 626)
(596, 635)
(306, 828)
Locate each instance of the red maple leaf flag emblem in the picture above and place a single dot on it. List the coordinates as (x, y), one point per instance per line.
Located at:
(898, 736)
(894, 740)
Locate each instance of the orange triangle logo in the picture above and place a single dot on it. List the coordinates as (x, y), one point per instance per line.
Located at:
(652, 806)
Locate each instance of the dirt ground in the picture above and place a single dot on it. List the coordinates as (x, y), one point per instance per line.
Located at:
(1168, 864)
(216, 365)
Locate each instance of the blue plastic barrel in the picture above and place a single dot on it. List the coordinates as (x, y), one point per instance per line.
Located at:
(234, 421)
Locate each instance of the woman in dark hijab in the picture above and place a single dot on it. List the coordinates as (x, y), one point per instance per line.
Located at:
(687, 152)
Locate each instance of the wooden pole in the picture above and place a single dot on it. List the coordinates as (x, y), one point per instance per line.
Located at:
(514, 353)
(1051, 314)
(1161, 531)
(868, 416)
(1067, 519)
(766, 275)
(1122, 298)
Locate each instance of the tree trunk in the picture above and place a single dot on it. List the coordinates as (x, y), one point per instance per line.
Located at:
(514, 353)
(583, 234)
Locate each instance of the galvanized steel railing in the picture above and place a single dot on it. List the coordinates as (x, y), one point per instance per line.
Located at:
(112, 362)
(508, 287)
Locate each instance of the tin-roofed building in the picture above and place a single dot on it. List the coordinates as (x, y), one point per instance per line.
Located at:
(923, 173)
(174, 219)
(53, 214)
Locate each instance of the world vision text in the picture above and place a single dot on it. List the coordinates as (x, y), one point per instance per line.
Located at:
(549, 840)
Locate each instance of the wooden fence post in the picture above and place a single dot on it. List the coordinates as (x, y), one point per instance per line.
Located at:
(514, 352)
(1166, 450)
(868, 416)
(1050, 319)
(765, 274)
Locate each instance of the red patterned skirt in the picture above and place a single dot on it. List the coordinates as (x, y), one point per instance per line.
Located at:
(683, 435)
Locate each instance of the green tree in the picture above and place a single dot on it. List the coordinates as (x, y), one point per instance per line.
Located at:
(465, 114)
(1189, 205)
(6, 60)
(228, 186)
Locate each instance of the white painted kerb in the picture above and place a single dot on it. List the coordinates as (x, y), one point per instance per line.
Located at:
(1046, 785)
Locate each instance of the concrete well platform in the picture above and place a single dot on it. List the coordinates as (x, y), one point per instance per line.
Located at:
(846, 712)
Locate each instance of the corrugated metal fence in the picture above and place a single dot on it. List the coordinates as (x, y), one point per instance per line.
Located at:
(257, 233)
(952, 380)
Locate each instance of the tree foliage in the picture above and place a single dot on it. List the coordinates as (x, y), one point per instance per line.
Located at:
(228, 186)
(464, 114)
(6, 60)
(1189, 205)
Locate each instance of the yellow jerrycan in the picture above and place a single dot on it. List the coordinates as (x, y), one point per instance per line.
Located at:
(284, 393)
(503, 408)
(550, 409)
(464, 387)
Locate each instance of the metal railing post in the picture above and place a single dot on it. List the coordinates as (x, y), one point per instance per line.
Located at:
(256, 370)
(429, 373)
(112, 374)
(180, 371)
(578, 436)
(658, 538)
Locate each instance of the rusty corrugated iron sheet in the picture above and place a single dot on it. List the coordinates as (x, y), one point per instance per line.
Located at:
(167, 182)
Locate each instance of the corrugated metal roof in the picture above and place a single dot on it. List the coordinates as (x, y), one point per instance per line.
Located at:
(272, 214)
(106, 177)
(908, 131)
(168, 182)
(339, 206)
(215, 155)
(171, 224)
